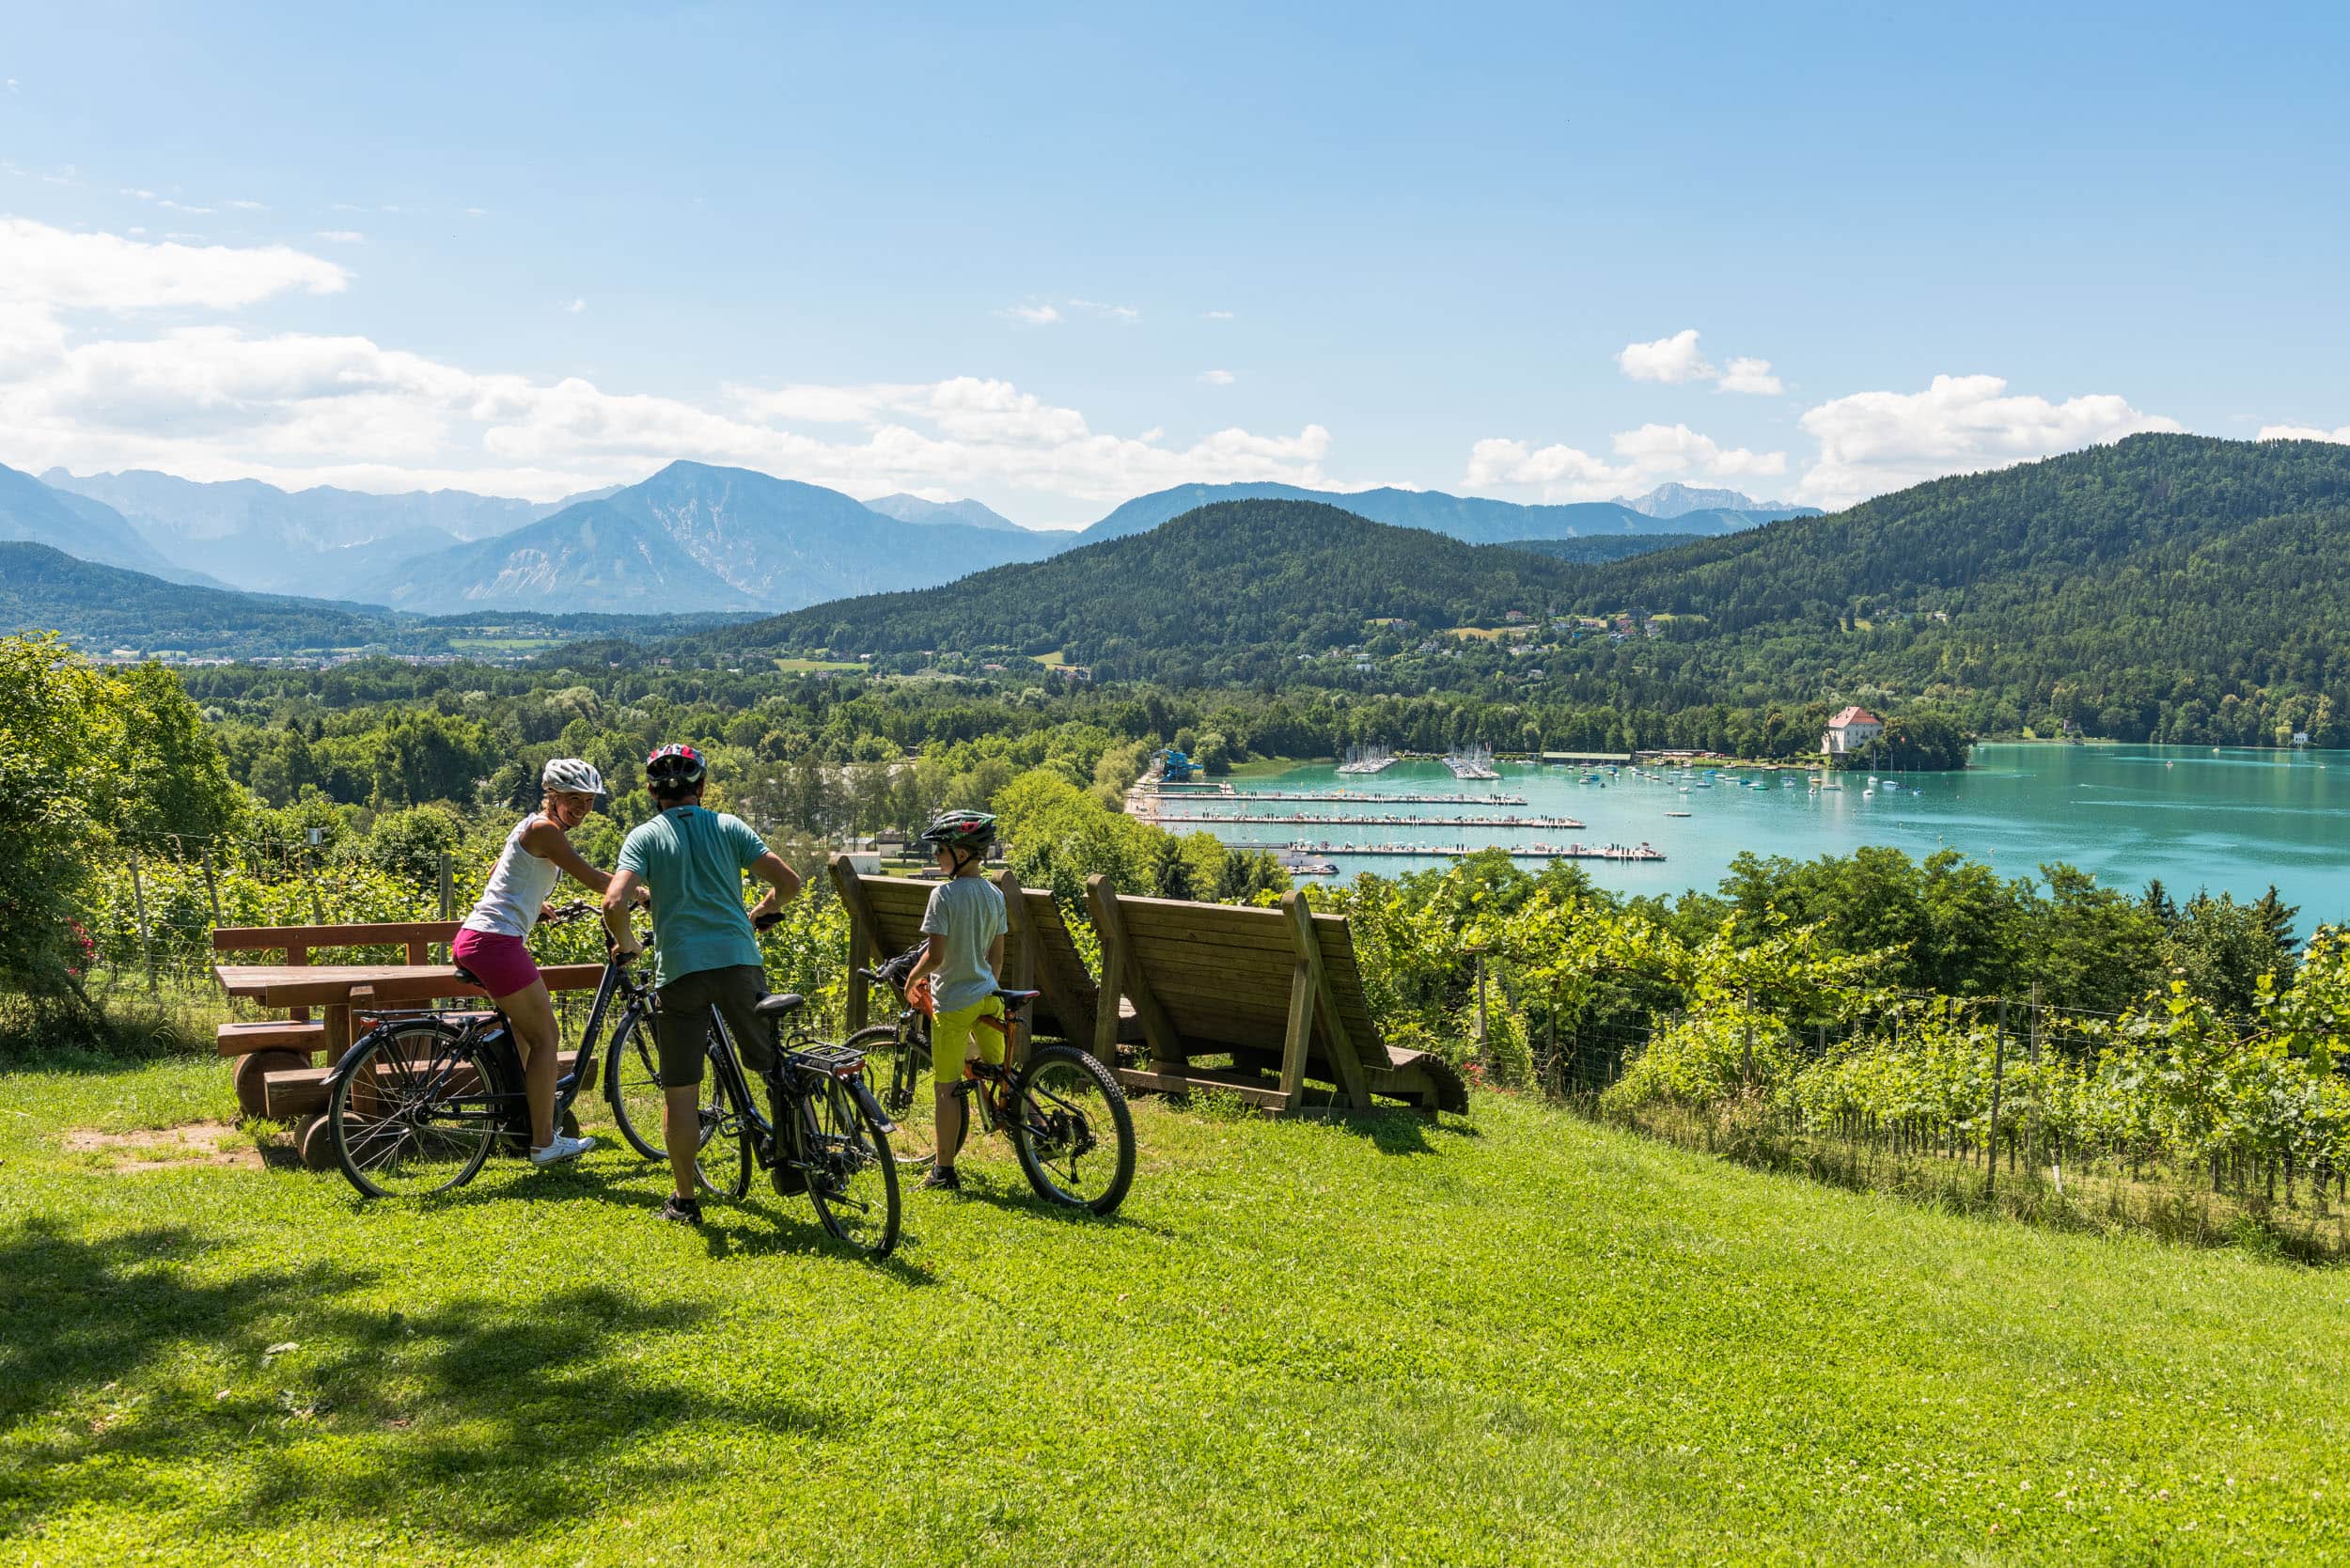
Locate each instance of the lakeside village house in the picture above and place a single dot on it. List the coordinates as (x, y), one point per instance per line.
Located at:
(1850, 730)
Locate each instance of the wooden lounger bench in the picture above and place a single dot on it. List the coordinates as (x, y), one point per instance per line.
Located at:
(1275, 992)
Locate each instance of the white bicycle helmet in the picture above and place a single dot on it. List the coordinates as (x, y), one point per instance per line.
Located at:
(572, 776)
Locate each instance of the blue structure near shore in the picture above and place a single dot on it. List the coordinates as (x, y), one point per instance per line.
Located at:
(1177, 768)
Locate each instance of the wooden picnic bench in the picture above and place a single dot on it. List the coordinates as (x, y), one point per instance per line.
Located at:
(1275, 993)
(276, 1074)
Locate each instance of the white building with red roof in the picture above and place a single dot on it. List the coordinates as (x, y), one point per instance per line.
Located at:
(1850, 730)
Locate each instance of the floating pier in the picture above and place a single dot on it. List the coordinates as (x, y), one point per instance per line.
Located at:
(1367, 819)
(1641, 852)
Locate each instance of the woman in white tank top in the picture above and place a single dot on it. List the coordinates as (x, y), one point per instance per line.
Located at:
(491, 940)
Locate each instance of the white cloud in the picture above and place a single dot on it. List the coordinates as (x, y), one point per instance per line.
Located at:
(1110, 312)
(341, 236)
(248, 206)
(2302, 432)
(137, 194)
(1676, 359)
(1750, 375)
(1035, 315)
(1218, 377)
(61, 270)
(218, 401)
(11, 84)
(1875, 442)
(1215, 315)
(1671, 360)
(577, 305)
(1644, 457)
(477, 212)
(169, 205)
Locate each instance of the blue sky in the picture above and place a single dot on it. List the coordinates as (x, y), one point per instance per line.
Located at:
(1063, 254)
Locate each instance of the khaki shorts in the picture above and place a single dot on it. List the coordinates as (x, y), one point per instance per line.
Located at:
(681, 1021)
(957, 1036)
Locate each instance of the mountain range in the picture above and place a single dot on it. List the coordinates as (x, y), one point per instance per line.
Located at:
(691, 537)
(1472, 519)
(1672, 499)
(1229, 591)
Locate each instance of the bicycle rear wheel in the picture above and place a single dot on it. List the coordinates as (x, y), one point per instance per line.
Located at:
(1072, 1132)
(633, 1083)
(852, 1180)
(416, 1112)
(898, 1070)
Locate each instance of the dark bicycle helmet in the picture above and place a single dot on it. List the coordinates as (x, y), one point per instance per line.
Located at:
(674, 767)
(970, 830)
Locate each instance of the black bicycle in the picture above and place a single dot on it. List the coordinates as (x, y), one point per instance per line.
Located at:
(828, 1136)
(422, 1100)
(1068, 1119)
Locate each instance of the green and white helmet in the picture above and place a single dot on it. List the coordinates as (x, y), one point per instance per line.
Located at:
(968, 830)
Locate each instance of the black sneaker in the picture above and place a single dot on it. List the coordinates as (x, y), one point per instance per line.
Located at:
(943, 1178)
(683, 1210)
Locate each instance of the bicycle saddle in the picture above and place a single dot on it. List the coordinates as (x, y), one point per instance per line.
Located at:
(1016, 999)
(468, 976)
(781, 1003)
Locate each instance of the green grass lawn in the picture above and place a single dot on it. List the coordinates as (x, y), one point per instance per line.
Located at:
(1520, 1339)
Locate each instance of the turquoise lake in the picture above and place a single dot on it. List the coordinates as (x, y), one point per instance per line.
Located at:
(2236, 821)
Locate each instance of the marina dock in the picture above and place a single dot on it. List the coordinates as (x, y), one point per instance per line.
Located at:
(1439, 851)
(1364, 819)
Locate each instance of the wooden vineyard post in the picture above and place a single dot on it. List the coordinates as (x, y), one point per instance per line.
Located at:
(138, 908)
(1999, 1065)
(211, 888)
(449, 888)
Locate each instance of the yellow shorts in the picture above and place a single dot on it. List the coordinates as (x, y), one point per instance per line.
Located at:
(957, 1036)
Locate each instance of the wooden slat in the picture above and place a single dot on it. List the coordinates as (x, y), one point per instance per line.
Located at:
(392, 982)
(1071, 994)
(1161, 1081)
(1341, 1047)
(1262, 931)
(387, 933)
(852, 890)
(1123, 975)
(237, 1040)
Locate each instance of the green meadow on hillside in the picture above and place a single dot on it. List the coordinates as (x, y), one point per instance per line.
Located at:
(1515, 1338)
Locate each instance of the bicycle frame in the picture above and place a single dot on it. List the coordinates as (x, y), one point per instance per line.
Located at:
(767, 1150)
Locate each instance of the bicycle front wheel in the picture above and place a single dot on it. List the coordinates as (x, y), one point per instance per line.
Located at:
(898, 1070)
(633, 1083)
(1071, 1130)
(723, 1163)
(417, 1113)
(852, 1178)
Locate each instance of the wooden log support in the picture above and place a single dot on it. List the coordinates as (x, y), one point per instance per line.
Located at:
(864, 941)
(251, 1078)
(1320, 1004)
(1121, 976)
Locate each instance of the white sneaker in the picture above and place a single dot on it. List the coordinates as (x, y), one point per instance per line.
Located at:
(561, 1149)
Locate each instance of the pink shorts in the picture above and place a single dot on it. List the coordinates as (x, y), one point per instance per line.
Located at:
(503, 965)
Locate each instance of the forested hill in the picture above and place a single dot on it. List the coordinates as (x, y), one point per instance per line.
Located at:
(1230, 592)
(2168, 588)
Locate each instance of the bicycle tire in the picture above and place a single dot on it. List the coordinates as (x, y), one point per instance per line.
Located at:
(1061, 1099)
(725, 1175)
(388, 1138)
(632, 1073)
(853, 1173)
(896, 1060)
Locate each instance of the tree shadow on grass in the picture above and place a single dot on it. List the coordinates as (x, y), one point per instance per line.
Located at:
(481, 1418)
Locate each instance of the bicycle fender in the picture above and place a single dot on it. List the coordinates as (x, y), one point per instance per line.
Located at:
(871, 1107)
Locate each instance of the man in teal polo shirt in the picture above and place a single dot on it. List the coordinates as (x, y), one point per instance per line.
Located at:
(693, 862)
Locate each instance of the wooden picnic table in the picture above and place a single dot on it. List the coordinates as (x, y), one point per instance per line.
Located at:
(338, 987)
